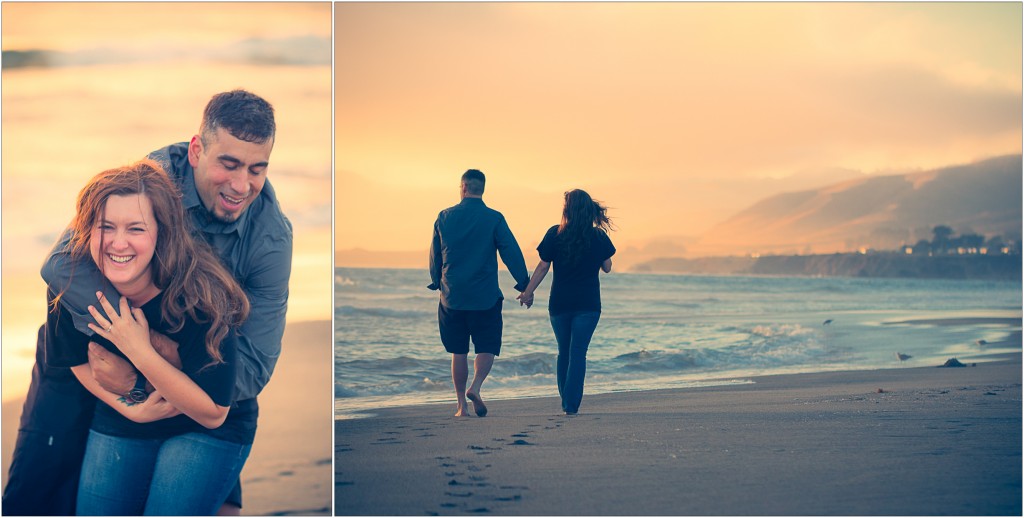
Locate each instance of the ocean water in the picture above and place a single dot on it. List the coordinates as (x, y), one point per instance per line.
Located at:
(664, 331)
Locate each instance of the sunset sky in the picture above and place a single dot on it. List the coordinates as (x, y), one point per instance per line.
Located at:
(677, 115)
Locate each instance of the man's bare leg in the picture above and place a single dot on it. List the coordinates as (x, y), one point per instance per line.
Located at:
(460, 373)
(481, 367)
(229, 510)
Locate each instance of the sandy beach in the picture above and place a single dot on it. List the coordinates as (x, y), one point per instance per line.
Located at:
(903, 441)
(288, 471)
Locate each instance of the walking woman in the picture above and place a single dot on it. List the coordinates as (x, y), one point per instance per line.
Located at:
(177, 450)
(577, 248)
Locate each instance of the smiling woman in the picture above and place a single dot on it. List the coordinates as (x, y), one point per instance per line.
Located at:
(123, 242)
(169, 279)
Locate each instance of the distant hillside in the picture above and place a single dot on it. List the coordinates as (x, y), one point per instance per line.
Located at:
(886, 265)
(879, 212)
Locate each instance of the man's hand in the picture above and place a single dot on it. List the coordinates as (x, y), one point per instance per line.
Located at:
(111, 371)
(116, 375)
(164, 347)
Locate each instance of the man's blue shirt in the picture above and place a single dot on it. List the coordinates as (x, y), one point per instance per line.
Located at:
(463, 262)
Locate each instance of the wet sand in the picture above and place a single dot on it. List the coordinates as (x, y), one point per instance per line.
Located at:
(905, 441)
(288, 471)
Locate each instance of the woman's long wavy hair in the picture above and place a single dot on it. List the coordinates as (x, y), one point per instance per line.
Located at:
(194, 282)
(581, 215)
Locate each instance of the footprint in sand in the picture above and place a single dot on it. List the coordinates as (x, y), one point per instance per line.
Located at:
(479, 510)
(523, 434)
(453, 473)
(459, 495)
(520, 442)
(285, 473)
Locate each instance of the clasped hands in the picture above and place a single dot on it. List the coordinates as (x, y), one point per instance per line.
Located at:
(525, 299)
(112, 372)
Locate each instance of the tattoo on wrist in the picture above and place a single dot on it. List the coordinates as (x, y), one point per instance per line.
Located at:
(127, 401)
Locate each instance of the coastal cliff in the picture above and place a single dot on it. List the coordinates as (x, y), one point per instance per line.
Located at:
(886, 265)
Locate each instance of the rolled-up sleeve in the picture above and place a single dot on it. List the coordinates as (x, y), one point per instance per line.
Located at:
(76, 281)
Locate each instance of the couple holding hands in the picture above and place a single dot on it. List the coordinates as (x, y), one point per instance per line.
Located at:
(464, 268)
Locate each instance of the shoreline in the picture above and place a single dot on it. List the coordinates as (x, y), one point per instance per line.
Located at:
(914, 440)
(712, 380)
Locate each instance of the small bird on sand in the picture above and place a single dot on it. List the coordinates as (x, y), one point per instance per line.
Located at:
(827, 322)
(903, 357)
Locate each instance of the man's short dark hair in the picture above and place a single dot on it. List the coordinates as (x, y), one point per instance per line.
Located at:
(474, 180)
(245, 115)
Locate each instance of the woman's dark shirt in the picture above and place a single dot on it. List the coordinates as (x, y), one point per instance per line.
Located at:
(576, 286)
(69, 347)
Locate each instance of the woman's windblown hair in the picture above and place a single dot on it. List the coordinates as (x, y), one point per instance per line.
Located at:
(581, 215)
(194, 282)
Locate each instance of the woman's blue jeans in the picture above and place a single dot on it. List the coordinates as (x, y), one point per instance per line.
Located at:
(185, 475)
(573, 331)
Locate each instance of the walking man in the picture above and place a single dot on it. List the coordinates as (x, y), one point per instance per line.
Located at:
(464, 268)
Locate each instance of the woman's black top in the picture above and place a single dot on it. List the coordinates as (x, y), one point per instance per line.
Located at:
(69, 347)
(576, 286)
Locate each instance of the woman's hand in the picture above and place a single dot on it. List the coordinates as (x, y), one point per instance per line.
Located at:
(526, 299)
(129, 331)
(154, 408)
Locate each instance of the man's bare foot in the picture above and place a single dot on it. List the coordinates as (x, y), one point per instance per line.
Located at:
(461, 412)
(478, 404)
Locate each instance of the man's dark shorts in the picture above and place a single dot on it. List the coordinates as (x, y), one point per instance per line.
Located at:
(458, 326)
(235, 496)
